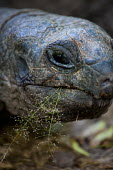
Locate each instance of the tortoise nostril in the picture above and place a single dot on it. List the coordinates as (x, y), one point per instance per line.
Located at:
(106, 80)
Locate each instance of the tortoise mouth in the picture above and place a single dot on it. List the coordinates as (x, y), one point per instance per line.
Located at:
(65, 88)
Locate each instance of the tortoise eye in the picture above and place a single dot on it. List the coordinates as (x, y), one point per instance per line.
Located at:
(58, 58)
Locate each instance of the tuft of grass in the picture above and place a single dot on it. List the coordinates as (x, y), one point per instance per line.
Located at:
(42, 127)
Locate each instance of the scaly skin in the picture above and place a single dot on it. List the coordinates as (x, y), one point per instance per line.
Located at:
(43, 54)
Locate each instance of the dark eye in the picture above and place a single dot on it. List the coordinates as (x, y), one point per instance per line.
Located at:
(60, 59)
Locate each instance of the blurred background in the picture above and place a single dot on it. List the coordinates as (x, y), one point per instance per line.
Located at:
(98, 11)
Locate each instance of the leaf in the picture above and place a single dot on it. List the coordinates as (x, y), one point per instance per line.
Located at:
(76, 147)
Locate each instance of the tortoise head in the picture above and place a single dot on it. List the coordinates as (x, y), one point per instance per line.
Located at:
(71, 66)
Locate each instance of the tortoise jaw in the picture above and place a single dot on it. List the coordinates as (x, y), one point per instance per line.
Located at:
(86, 107)
(98, 108)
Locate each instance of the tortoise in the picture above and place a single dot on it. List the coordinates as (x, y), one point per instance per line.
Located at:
(44, 54)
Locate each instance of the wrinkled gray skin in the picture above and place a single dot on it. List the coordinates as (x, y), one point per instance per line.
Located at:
(43, 54)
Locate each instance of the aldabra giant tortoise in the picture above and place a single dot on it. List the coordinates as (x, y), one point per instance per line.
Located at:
(43, 54)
